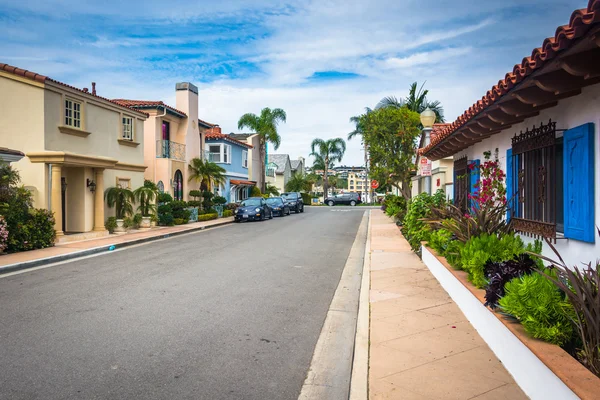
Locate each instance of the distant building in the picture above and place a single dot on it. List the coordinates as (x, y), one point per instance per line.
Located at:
(254, 159)
(279, 171)
(297, 165)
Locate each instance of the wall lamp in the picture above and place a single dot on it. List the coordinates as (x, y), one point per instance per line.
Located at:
(91, 184)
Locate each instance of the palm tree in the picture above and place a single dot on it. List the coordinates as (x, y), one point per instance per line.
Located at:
(120, 198)
(206, 173)
(360, 131)
(145, 195)
(265, 125)
(327, 152)
(271, 190)
(299, 183)
(415, 101)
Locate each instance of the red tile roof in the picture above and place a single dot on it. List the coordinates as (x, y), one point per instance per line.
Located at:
(43, 79)
(580, 23)
(216, 136)
(148, 104)
(237, 182)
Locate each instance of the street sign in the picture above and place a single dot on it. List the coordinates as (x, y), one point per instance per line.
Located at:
(425, 167)
(374, 184)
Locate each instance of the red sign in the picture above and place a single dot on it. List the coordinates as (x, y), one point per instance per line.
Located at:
(425, 167)
(374, 184)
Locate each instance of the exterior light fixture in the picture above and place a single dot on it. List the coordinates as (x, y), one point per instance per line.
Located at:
(63, 184)
(91, 184)
(427, 118)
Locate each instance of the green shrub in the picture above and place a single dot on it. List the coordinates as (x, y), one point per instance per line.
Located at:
(195, 194)
(207, 199)
(179, 210)
(128, 222)
(164, 198)
(207, 217)
(166, 219)
(543, 309)
(452, 253)
(306, 198)
(111, 224)
(180, 221)
(137, 221)
(439, 240)
(231, 206)
(165, 209)
(151, 185)
(255, 192)
(194, 203)
(219, 200)
(36, 232)
(414, 229)
(227, 213)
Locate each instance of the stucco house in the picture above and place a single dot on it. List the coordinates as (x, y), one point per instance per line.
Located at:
(281, 170)
(174, 136)
(76, 144)
(442, 171)
(297, 166)
(542, 118)
(254, 159)
(232, 155)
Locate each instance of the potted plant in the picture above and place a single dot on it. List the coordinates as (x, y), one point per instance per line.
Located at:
(145, 196)
(120, 198)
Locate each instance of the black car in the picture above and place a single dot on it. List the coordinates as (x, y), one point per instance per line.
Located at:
(253, 209)
(350, 199)
(279, 206)
(294, 201)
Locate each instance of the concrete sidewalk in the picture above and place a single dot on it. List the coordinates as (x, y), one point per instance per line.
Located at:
(60, 252)
(421, 344)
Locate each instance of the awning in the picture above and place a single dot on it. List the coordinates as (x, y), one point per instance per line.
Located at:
(244, 183)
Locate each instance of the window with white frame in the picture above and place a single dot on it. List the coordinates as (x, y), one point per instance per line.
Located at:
(127, 128)
(219, 153)
(73, 113)
(244, 159)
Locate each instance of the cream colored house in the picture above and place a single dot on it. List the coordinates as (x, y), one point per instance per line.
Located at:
(76, 145)
(174, 136)
(280, 171)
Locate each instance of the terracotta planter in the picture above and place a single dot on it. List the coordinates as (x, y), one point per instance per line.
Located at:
(145, 223)
(120, 228)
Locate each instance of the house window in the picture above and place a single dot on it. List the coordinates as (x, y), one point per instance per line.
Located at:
(226, 154)
(127, 128)
(244, 159)
(72, 113)
(461, 186)
(219, 153)
(537, 182)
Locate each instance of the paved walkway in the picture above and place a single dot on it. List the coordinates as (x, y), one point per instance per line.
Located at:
(72, 247)
(421, 344)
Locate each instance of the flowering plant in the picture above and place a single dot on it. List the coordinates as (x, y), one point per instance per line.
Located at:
(3, 235)
(489, 190)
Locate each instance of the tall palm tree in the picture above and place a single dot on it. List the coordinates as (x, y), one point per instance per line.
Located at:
(265, 125)
(206, 173)
(327, 152)
(415, 101)
(359, 130)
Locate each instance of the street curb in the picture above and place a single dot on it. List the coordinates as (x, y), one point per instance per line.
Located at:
(359, 384)
(95, 250)
(330, 372)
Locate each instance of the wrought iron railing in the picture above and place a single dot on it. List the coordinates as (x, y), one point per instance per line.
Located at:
(169, 149)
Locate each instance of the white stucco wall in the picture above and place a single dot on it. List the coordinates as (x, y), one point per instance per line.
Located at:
(568, 113)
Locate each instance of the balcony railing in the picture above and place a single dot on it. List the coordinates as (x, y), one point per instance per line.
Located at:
(169, 149)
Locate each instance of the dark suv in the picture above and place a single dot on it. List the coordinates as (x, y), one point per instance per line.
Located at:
(294, 201)
(351, 199)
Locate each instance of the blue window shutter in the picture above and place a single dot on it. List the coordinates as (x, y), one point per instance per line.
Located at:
(474, 178)
(509, 185)
(578, 164)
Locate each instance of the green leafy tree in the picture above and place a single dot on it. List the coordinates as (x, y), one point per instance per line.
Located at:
(121, 198)
(299, 183)
(271, 190)
(326, 153)
(206, 173)
(265, 125)
(145, 196)
(390, 134)
(415, 101)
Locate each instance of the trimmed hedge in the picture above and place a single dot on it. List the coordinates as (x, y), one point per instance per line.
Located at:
(207, 217)
(227, 213)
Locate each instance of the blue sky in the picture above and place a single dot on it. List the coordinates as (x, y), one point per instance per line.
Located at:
(322, 61)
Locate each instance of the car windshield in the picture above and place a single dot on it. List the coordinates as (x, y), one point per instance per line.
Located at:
(251, 203)
(274, 200)
(290, 196)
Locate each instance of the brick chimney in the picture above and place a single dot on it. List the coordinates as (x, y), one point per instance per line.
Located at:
(94, 88)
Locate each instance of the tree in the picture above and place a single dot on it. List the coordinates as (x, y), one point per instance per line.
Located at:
(206, 173)
(271, 190)
(265, 125)
(359, 130)
(299, 183)
(415, 101)
(145, 195)
(120, 198)
(326, 153)
(390, 135)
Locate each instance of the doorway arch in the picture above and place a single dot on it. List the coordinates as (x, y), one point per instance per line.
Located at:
(178, 186)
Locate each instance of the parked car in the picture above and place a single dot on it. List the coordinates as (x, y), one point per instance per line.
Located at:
(351, 199)
(279, 206)
(253, 209)
(294, 201)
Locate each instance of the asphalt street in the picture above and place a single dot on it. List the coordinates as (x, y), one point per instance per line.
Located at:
(230, 313)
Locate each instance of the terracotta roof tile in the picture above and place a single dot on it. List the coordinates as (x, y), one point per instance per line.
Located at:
(217, 136)
(565, 36)
(147, 104)
(42, 79)
(240, 182)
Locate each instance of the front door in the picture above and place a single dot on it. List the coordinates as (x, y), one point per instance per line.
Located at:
(178, 186)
